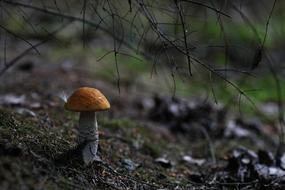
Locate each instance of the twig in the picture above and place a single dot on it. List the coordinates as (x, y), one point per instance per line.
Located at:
(280, 105)
(73, 18)
(33, 47)
(212, 89)
(208, 7)
(25, 52)
(20, 56)
(167, 40)
(115, 48)
(106, 165)
(180, 12)
(83, 23)
(211, 148)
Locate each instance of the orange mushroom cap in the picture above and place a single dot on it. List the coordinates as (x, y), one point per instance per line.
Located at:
(87, 99)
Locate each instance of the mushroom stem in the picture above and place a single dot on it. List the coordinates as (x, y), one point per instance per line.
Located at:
(88, 134)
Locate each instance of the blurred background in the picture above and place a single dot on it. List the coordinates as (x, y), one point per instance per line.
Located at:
(174, 64)
(234, 47)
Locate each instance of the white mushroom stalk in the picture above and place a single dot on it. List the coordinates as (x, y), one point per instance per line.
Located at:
(89, 135)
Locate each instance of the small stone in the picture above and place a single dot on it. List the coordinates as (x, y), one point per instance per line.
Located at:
(163, 162)
(129, 164)
(195, 161)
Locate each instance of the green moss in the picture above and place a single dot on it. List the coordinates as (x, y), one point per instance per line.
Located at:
(7, 119)
(132, 131)
(37, 146)
(30, 149)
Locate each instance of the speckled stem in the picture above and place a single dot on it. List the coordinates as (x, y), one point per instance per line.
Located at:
(88, 134)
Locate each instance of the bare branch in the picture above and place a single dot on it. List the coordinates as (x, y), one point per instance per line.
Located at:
(19, 37)
(180, 12)
(25, 52)
(209, 7)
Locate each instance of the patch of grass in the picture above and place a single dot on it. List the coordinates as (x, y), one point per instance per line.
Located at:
(138, 134)
(260, 89)
(266, 89)
(28, 150)
(29, 133)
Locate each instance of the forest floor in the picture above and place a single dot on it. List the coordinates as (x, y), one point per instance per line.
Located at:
(146, 141)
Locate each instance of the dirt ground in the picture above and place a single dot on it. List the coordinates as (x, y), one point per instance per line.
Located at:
(145, 143)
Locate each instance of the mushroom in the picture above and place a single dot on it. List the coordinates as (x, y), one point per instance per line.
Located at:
(88, 101)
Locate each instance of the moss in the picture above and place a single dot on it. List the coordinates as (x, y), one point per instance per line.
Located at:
(28, 150)
(7, 120)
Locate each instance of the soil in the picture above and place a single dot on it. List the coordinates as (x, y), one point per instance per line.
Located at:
(39, 150)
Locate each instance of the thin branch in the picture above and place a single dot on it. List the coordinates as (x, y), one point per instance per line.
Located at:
(180, 12)
(83, 23)
(19, 37)
(236, 71)
(20, 56)
(208, 7)
(5, 50)
(119, 53)
(115, 48)
(107, 53)
(25, 52)
(226, 46)
(74, 18)
(212, 89)
(267, 22)
(280, 104)
(167, 40)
